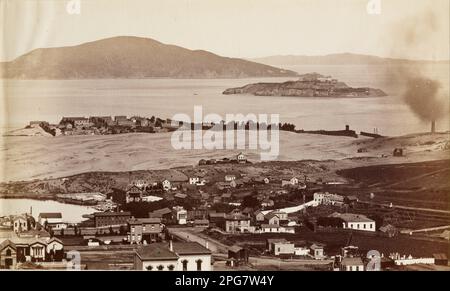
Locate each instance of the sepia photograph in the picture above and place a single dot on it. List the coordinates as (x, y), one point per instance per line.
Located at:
(253, 136)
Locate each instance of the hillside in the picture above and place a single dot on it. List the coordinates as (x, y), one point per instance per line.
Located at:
(131, 57)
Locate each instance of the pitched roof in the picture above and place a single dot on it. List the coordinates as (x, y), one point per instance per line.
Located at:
(190, 248)
(270, 226)
(217, 214)
(316, 246)
(144, 220)
(236, 217)
(23, 217)
(352, 261)
(275, 240)
(201, 221)
(126, 213)
(6, 243)
(156, 251)
(350, 217)
(55, 239)
(274, 213)
(50, 215)
(162, 211)
(236, 249)
(440, 256)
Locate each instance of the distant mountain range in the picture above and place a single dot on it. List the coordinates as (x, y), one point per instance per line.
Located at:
(131, 57)
(336, 59)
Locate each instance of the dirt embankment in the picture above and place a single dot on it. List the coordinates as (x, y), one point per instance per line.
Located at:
(37, 157)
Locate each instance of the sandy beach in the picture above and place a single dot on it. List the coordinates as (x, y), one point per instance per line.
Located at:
(39, 157)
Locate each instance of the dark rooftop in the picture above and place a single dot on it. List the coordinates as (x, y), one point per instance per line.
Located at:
(156, 251)
(50, 215)
(190, 248)
(126, 213)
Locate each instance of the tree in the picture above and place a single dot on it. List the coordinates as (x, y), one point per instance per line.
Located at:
(250, 201)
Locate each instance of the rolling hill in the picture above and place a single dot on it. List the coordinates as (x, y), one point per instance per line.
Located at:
(131, 57)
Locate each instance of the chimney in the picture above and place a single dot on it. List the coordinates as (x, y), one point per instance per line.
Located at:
(347, 127)
(171, 246)
(433, 126)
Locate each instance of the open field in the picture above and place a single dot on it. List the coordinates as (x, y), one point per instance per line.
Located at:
(39, 157)
(422, 185)
(335, 240)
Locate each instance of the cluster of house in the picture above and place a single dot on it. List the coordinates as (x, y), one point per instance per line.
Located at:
(283, 247)
(248, 221)
(239, 159)
(108, 124)
(350, 257)
(141, 191)
(231, 181)
(141, 230)
(149, 191)
(23, 239)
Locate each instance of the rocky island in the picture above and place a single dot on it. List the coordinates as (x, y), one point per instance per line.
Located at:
(308, 85)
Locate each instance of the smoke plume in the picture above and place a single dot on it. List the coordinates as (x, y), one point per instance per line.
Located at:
(420, 90)
(421, 94)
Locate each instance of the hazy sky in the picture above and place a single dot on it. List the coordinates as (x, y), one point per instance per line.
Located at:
(235, 28)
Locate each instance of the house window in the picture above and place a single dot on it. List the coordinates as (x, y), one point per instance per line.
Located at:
(199, 265)
(8, 252)
(185, 263)
(364, 226)
(149, 267)
(160, 267)
(37, 251)
(171, 267)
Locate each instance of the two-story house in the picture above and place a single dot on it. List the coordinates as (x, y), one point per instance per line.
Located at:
(142, 230)
(237, 223)
(181, 256)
